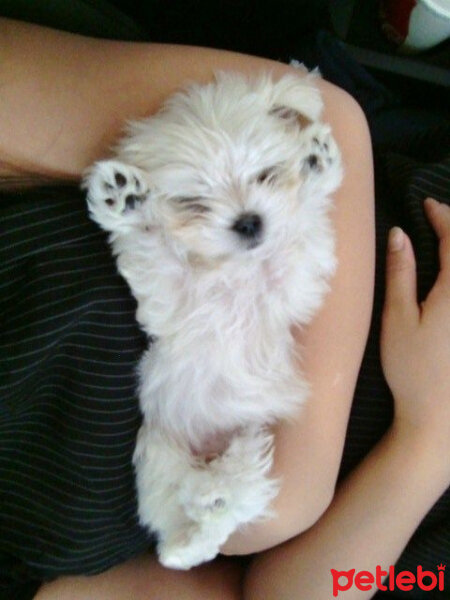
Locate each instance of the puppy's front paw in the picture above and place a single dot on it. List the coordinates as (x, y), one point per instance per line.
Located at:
(320, 164)
(115, 193)
(319, 150)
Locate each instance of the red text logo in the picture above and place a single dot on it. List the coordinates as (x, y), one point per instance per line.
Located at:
(403, 580)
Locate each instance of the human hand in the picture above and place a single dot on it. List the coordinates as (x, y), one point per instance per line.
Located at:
(415, 340)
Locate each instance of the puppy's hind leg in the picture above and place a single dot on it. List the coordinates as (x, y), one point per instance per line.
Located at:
(115, 193)
(234, 488)
(162, 468)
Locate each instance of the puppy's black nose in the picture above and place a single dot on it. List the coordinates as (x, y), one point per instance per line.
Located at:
(248, 225)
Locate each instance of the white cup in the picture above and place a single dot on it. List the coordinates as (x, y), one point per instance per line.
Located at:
(416, 25)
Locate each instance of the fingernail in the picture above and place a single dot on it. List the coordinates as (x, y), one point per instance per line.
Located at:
(436, 204)
(396, 239)
(432, 202)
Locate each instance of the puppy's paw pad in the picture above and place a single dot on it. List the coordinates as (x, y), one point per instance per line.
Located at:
(115, 187)
(319, 150)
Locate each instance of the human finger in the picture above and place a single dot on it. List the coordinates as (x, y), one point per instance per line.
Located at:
(401, 292)
(438, 214)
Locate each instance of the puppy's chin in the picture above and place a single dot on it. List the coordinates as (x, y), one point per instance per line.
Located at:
(232, 251)
(200, 245)
(199, 261)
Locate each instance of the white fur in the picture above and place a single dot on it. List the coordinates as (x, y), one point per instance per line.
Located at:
(220, 305)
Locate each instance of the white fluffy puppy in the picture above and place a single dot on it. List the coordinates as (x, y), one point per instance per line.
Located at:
(218, 208)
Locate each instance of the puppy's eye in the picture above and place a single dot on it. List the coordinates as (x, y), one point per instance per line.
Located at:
(187, 199)
(268, 175)
(192, 203)
(198, 208)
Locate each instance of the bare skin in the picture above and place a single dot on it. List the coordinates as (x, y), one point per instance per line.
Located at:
(67, 114)
(143, 578)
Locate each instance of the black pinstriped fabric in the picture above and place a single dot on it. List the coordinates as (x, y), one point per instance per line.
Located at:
(69, 416)
(68, 412)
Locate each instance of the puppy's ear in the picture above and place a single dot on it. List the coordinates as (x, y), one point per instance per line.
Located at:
(297, 99)
(290, 114)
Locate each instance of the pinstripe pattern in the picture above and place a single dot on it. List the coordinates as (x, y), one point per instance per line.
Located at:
(68, 413)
